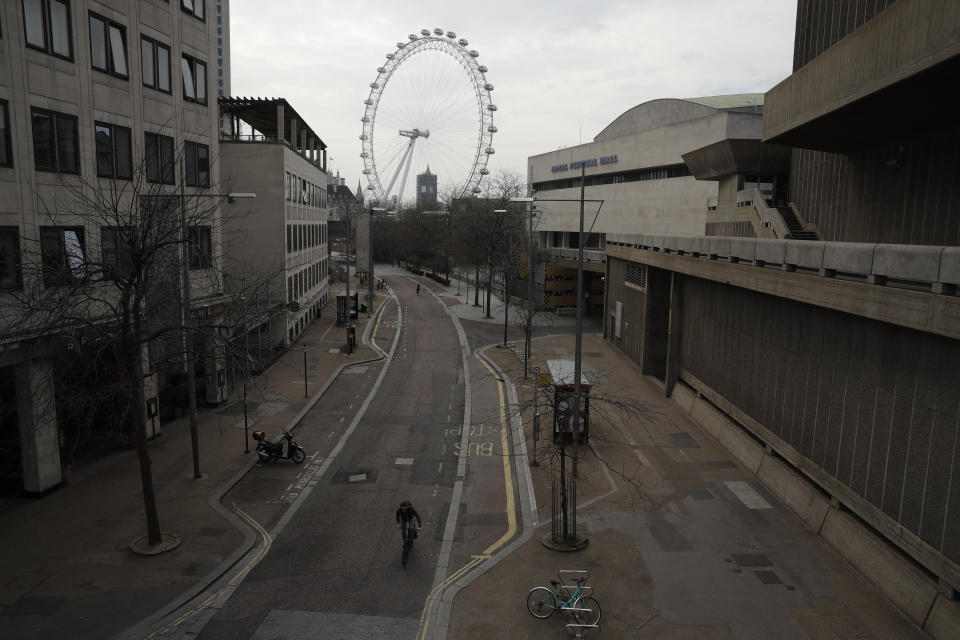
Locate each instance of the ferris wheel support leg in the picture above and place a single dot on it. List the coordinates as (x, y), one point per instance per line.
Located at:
(404, 161)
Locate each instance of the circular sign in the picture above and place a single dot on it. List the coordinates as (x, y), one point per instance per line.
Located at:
(536, 369)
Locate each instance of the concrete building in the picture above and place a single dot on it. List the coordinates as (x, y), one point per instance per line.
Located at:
(277, 245)
(426, 190)
(636, 166)
(828, 366)
(98, 99)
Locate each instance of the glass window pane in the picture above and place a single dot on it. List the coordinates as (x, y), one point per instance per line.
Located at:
(151, 157)
(60, 28)
(67, 144)
(98, 48)
(5, 155)
(187, 4)
(33, 17)
(203, 165)
(201, 81)
(44, 148)
(166, 159)
(198, 8)
(163, 68)
(190, 161)
(118, 50)
(188, 91)
(9, 257)
(104, 151)
(146, 63)
(122, 153)
(73, 244)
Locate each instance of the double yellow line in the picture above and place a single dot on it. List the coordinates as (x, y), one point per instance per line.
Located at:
(477, 560)
(236, 579)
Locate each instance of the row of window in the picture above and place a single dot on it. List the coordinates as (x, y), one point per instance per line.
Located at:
(64, 257)
(296, 189)
(56, 148)
(299, 283)
(633, 175)
(47, 25)
(305, 236)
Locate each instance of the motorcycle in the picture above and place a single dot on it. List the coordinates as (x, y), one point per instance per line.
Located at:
(268, 450)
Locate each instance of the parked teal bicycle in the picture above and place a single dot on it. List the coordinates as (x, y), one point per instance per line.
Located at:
(543, 601)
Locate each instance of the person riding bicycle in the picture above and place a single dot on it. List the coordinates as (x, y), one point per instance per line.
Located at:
(405, 517)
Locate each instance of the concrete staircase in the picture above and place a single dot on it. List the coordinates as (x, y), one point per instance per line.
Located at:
(797, 232)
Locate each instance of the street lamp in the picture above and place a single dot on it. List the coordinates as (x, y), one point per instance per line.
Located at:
(370, 239)
(577, 359)
(185, 315)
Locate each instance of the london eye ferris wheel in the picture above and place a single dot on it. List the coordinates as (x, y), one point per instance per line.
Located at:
(430, 108)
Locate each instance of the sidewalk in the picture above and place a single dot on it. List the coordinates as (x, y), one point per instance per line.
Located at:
(67, 571)
(674, 552)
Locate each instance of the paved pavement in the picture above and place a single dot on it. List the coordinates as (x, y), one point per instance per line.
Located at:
(675, 548)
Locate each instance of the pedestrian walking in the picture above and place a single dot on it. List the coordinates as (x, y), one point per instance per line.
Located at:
(418, 289)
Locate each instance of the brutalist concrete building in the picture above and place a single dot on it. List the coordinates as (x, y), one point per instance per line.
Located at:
(817, 335)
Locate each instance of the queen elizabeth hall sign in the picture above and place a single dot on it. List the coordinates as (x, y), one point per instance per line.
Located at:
(592, 162)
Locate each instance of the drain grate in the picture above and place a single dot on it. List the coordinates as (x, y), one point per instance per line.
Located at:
(768, 577)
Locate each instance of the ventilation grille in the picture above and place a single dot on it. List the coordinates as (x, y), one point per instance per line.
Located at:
(637, 274)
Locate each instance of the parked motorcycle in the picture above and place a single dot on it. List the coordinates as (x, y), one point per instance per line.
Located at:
(268, 450)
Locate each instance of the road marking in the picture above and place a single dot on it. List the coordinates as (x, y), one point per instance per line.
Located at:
(357, 477)
(747, 494)
(407, 461)
(440, 468)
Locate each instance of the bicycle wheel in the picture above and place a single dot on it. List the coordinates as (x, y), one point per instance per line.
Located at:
(587, 617)
(541, 602)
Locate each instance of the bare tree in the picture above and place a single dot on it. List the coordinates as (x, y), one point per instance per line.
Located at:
(115, 302)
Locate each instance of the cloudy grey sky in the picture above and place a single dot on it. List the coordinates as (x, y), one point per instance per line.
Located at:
(562, 70)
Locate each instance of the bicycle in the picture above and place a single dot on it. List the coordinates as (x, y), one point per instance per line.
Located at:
(542, 602)
(408, 537)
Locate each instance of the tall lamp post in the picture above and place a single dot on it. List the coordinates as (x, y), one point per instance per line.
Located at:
(186, 316)
(370, 273)
(578, 352)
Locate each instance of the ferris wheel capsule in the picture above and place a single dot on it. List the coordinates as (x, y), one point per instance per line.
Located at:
(390, 56)
(381, 69)
(463, 42)
(401, 45)
(474, 53)
(491, 107)
(413, 37)
(482, 69)
(451, 35)
(489, 151)
(438, 31)
(425, 32)
(488, 87)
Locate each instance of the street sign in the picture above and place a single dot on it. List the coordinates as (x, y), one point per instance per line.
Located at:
(544, 379)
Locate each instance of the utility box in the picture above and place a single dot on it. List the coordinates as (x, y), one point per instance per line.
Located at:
(565, 424)
(342, 305)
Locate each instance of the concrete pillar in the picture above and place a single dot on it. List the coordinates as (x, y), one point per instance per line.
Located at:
(312, 149)
(294, 133)
(39, 435)
(673, 334)
(302, 148)
(281, 121)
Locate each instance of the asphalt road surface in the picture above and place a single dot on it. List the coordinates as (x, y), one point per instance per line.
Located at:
(335, 564)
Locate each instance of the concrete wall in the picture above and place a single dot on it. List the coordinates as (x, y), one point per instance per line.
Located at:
(872, 405)
(905, 193)
(821, 25)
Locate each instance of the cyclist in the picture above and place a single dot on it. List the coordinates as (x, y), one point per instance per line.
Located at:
(405, 516)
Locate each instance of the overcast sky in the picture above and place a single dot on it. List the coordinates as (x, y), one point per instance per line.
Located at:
(562, 70)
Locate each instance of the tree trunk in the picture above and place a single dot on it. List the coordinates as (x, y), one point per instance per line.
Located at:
(133, 360)
(476, 290)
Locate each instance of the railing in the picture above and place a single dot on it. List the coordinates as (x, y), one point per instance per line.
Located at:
(589, 255)
(929, 267)
(769, 216)
(259, 138)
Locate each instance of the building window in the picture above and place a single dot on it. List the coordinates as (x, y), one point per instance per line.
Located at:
(114, 157)
(155, 64)
(55, 141)
(64, 261)
(201, 248)
(158, 158)
(193, 7)
(197, 164)
(6, 153)
(115, 252)
(194, 79)
(9, 258)
(289, 239)
(47, 25)
(108, 46)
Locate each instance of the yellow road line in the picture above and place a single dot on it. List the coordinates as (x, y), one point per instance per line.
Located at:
(267, 542)
(511, 514)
